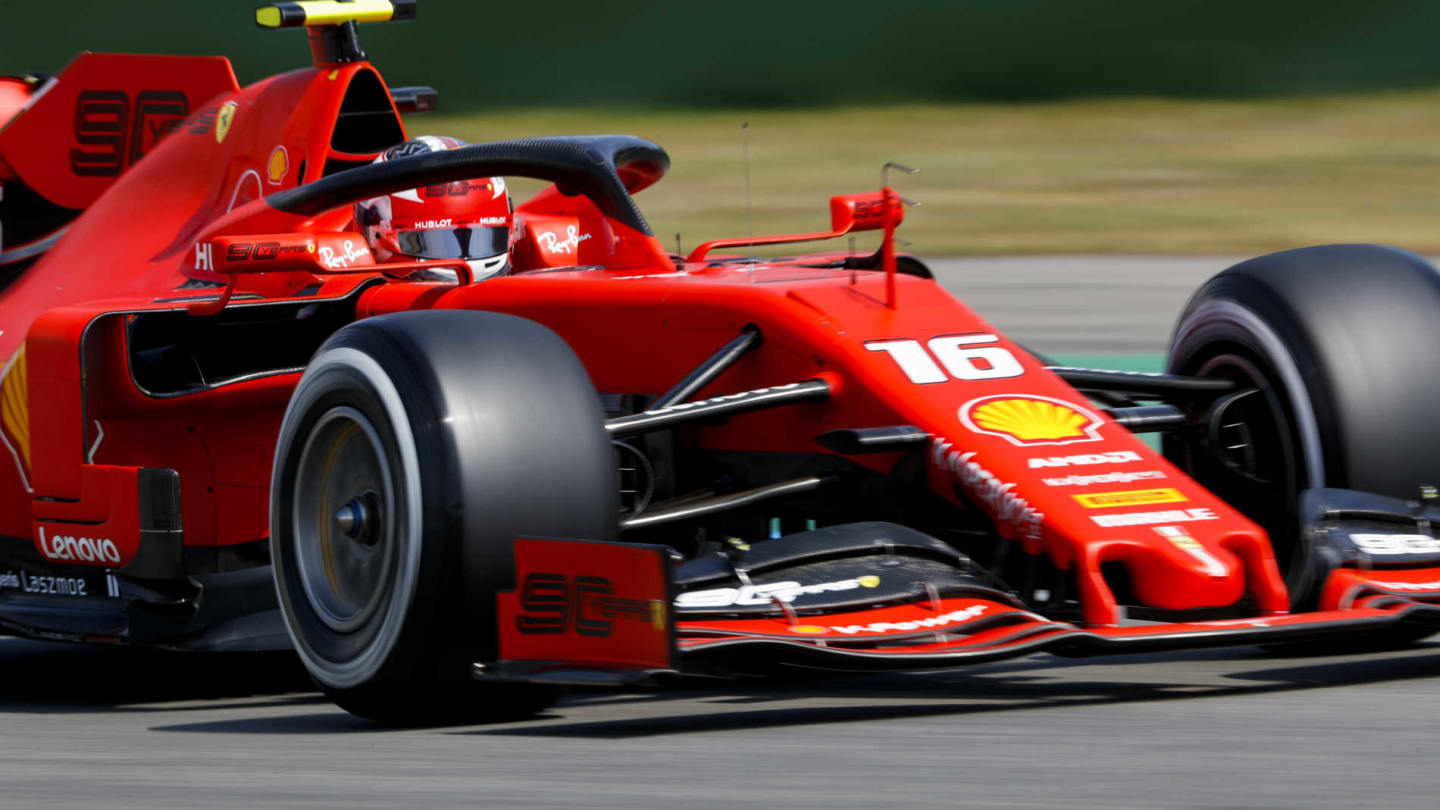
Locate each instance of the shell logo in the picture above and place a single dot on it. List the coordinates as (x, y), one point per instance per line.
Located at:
(278, 165)
(809, 629)
(15, 411)
(1024, 419)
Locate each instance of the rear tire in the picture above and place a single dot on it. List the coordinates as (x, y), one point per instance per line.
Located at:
(1337, 342)
(416, 447)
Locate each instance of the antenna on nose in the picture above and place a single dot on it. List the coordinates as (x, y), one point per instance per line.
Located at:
(885, 177)
(749, 221)
(887, 243)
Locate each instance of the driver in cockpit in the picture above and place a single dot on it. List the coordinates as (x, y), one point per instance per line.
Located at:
(470, 220)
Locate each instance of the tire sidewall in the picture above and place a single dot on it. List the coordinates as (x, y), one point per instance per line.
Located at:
(346, 376)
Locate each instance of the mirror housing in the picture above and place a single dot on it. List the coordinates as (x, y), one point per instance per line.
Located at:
(284, 253)
(848, 213)
(253, 254)
(863, 212)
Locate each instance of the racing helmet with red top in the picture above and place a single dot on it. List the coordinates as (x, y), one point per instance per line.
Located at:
(471, 220)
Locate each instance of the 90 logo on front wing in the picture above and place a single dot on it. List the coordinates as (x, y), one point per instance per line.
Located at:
(585, 605)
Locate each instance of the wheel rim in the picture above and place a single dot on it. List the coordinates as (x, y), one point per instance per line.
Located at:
(344, 520)
(1250, 440)
(1264, 489)
(1232, 325)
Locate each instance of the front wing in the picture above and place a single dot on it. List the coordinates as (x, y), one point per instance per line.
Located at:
(929, 629)
(901, 638)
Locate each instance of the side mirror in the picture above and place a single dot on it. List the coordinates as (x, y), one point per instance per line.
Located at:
(234, 256)
(863, 212)
(848, 213)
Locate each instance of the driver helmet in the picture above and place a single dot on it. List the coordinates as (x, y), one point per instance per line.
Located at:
(471, 220)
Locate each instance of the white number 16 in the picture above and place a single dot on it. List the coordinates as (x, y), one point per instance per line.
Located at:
(958, 353)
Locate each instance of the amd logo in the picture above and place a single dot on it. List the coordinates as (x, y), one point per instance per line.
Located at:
(1114, 457)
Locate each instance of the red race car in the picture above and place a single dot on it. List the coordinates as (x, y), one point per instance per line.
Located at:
(253, 398)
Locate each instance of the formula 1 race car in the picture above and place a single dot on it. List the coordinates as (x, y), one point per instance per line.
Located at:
(227, 426)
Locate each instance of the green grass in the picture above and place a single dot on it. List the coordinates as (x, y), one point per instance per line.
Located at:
(1116, 176)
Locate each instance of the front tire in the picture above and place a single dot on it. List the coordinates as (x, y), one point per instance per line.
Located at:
(416, 447)
(1337, 345)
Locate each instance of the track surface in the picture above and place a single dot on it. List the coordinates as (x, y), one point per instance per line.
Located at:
(1080, 304)
(84, 727)
(1204, 729)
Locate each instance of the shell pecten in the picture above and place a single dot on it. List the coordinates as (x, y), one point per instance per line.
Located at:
(1031, 419)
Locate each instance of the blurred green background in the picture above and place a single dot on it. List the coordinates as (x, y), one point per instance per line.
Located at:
(764, 52)
(1041, 126)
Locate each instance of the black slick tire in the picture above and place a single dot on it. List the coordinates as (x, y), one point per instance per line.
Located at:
(433, 438)
(1340, 342)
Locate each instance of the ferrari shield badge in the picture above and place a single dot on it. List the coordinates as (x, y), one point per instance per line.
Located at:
(223, 120)
(15, 411)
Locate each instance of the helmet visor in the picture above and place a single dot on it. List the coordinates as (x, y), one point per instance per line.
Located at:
(456, 243)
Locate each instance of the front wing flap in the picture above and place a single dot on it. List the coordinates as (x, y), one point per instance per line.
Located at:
(954, 632)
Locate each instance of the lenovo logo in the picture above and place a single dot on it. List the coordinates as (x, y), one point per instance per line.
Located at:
(67, 548)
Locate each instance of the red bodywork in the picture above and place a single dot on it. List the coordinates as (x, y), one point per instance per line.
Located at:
(165, 233)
